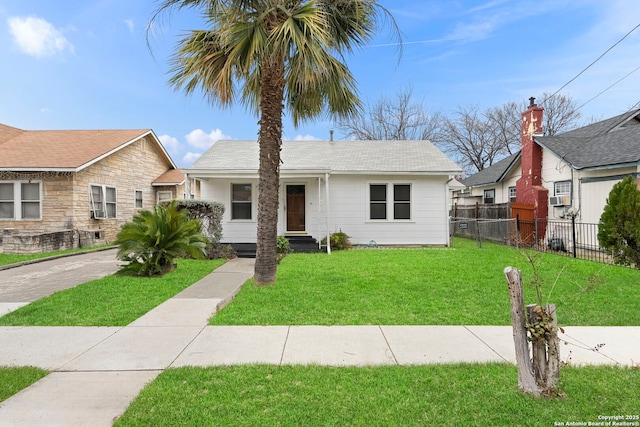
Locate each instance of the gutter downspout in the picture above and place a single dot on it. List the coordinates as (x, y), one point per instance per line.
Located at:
(187, 187)
(326, 197)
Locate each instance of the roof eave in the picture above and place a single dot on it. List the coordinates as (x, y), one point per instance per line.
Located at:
(606, 167)
(37, 169)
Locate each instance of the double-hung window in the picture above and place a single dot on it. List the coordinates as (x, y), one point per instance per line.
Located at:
(103, 202)
(512, 194)
(381, 208)
(378, 201)
(489, 197)
(401, 201)
(562, 188)
(241, 201)
(137, 199)
(20, 200)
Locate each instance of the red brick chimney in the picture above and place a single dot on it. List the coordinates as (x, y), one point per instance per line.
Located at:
(529, 187)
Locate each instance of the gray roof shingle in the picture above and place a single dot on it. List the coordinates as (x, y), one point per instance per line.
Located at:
(492, 174)
(609, 143)
(418, 157)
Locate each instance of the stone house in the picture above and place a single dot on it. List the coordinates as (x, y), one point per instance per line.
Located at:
(62, 189)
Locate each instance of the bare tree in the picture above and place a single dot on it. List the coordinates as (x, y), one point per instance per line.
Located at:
(560, 114)
(476, 139)
(399, 118)
(468, 139)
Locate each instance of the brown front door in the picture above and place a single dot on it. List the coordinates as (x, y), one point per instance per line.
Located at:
(295, 207)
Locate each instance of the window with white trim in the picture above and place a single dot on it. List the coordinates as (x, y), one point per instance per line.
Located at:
(241, 205)
(378, 201)
(401, 201)
(562, 188)
(137, 199)
(102, 202)
(512, 194)
(489, 196)
(161, 196)
(380, 206)
(20, 200)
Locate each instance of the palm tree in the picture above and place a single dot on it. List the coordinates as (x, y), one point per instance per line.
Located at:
(272, 54)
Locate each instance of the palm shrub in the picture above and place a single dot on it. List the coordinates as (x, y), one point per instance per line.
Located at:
(619, 230)
(151, 241)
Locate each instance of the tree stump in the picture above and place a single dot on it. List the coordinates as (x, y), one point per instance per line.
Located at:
(538, 364)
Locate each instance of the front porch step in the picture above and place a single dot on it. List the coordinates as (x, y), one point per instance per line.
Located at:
(298, 243)
(244, 250)
(302, 243)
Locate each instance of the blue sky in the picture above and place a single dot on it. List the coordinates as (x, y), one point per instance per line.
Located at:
(85, 64)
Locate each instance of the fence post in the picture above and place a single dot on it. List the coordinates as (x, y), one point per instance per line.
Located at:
(478, 238)
(573, 231)
(535, 230)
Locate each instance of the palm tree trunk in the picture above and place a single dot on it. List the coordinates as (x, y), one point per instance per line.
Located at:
(270, 141)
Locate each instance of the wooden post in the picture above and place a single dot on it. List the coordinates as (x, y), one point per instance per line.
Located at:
(553, 351)
(526, 379)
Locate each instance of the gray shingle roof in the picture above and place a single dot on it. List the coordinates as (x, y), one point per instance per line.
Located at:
(492, 174)
(418, 157)
(609, 143)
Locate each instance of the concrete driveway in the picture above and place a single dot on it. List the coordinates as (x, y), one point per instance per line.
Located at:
(22, 285)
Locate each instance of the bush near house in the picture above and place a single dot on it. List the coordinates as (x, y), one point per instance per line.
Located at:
(152, 241)
(339, 241)
(619, 231)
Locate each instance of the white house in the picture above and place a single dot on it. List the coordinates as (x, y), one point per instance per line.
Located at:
(387, 192)
(576, 169)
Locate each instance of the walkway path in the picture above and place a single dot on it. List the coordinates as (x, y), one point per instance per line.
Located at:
(31, 281)
(97, 371)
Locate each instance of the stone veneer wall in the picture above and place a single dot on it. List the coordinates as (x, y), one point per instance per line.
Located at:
(132, 168)
(65, 196)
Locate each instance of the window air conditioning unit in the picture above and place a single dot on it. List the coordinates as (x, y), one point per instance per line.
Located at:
(559, 200)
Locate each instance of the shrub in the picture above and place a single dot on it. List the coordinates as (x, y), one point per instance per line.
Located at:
(151, 241)
(619, 230)
(339, 241)
(282, 245)
(210, 216)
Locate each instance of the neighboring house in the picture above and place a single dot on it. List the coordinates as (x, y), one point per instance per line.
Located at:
(378, 192)
(576, 169)
(494, 184)
(69, 188)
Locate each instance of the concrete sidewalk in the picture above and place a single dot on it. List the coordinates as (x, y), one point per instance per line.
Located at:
(97, 371)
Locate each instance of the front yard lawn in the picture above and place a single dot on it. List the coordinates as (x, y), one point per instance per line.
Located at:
(462, 285)
(111, 301)
(447, 395)
(15, 379)
(6, 259)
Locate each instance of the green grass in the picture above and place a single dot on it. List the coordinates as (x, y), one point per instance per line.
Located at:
(111, 301)
(15, 379)
(6, 259)
(462, 285)
(447, 395)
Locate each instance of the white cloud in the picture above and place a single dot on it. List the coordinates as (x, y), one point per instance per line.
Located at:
(200, 139)
(130, 25)
(170, 143)
(190, 157)
(37, 37)
(306, 138)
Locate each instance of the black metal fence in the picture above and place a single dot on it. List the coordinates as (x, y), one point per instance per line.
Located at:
(569, 238)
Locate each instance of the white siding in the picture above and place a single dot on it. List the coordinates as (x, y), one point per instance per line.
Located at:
(594, 194)
(349, 201)
(348, 209)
